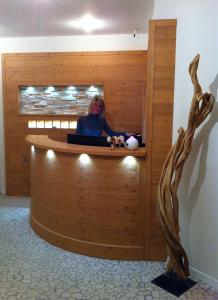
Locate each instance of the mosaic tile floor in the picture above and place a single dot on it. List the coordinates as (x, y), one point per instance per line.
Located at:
(32, 269)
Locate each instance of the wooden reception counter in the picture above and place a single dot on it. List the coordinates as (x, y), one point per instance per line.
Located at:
(89, 200)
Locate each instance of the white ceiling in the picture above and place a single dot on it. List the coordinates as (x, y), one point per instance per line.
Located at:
(20, 18)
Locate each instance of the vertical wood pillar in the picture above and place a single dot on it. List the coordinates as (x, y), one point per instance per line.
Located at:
(159, 120)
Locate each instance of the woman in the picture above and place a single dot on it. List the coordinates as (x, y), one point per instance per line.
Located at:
(94, 123)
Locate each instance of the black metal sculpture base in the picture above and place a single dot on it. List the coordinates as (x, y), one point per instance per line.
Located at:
(171, 283)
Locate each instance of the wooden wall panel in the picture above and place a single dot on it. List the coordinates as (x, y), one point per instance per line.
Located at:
(159, 112)
(122, 73)
(88, 208)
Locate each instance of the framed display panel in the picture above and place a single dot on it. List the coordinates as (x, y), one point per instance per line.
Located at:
(61, 100)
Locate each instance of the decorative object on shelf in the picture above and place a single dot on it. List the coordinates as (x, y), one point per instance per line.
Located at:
(177, 265)
(132, 143)
(116, 141)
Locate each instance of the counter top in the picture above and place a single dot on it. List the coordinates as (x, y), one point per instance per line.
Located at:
(44, 142)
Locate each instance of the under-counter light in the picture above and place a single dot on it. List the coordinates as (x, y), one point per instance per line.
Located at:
(84, 159)
(52, 124)
(40, 124)
(48, 124)
(129, 161)
(88, 23)
(32, 149)
(64, 124)
(50, 154)
(56, 124)
(32, 124)
(73, 125)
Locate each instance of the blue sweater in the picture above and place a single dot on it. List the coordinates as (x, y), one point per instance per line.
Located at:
(92, 125)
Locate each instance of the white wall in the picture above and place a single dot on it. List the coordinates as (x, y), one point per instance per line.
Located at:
(62, 44)
(74, 43)
(197, 32)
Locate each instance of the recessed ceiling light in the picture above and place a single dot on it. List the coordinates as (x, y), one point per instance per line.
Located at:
(88, 23)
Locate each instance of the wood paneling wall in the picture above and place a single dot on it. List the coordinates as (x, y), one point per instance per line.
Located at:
(159, 112)
(94, 209)
(123, 75)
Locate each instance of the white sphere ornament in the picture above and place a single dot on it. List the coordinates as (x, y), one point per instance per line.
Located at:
(132, 143)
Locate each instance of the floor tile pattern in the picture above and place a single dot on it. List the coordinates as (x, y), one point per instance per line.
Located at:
(32, 269)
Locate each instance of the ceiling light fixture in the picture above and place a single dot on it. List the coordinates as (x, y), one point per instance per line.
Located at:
(88, 23)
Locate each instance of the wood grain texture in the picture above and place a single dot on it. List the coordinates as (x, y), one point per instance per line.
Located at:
(159, 116)
(95, 209)
(168, 204)
(123, 74)
(44, 142)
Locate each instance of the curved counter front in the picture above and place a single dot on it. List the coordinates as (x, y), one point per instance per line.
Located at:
(89, 200)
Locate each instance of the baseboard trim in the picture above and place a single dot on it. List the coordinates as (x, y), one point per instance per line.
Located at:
(84, 247)
(198, 275)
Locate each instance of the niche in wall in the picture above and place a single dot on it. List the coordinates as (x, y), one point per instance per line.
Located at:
(61, 100)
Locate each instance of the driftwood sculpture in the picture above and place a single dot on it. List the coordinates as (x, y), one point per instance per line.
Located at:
(168, 208)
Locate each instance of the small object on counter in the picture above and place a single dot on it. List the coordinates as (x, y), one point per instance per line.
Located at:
(116, 141)
(132, 143)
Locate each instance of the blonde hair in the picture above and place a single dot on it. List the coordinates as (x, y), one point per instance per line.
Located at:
(97, 99)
